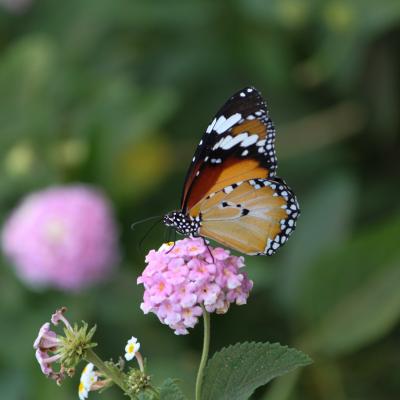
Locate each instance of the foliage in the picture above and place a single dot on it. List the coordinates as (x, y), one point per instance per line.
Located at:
(117, 94)
(170, 391)
(236, 371)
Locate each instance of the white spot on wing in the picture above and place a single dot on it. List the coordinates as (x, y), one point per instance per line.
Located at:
(223, 124)
(249, 141)
(211, 126)
(230, 141)
(218, 144)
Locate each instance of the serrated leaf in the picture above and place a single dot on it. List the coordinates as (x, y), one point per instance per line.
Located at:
(146, 395)
(236, 371)
(171, 391)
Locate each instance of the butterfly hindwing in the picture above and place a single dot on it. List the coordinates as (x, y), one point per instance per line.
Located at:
(237, 145)
(254, 217)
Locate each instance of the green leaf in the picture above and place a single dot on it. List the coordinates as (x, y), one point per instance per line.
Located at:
(236, 371)
(361, 317)
(344, 270)
(337, 194)
(171, 391)
(282, 388)
(146, 395)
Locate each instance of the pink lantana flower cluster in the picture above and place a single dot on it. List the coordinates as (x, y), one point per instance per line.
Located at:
(183, 276)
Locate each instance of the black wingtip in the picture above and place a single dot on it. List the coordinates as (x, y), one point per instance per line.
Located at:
(249, 89)
(249, 92)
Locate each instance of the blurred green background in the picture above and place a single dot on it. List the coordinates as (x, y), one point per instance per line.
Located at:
(118, 93)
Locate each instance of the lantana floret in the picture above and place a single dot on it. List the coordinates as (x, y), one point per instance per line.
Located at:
(89, 377)
(131, 348)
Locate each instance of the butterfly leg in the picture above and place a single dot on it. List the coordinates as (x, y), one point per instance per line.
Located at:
(173, 244)
(208, 248)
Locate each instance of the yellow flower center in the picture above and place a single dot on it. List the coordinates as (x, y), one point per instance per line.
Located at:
(131, 348)
(81, 387)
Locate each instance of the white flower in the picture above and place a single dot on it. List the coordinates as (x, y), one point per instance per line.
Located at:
(86, 372)
(166, 246)
(88, 378)
(83, 391)
(131, 348)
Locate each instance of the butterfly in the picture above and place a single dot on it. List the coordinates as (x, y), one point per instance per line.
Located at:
(231, 192)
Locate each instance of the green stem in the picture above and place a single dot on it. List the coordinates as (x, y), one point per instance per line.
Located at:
(204, 355)
(116, 377)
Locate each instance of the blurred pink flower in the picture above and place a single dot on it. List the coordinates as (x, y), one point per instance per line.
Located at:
(181, 277)
(62, 237)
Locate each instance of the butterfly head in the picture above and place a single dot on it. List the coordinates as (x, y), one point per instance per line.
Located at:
(182, 223)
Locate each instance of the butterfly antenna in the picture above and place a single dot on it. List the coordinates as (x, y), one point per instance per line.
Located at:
(167, 234)
(148, 232)
(144, 220)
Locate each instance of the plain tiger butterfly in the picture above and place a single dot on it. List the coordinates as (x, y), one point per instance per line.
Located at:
(231, 192)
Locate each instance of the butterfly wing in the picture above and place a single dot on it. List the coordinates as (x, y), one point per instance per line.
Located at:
(255, 217)
(237, 145)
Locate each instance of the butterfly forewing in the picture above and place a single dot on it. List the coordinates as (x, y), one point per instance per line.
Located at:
(236, 146)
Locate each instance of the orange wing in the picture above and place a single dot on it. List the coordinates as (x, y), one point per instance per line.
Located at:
(238, 145)
(215, 178)
(254, 217)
